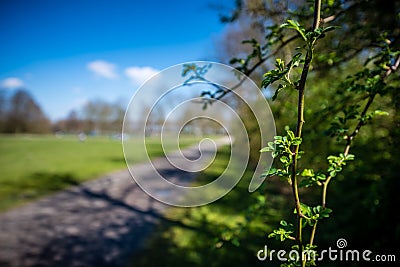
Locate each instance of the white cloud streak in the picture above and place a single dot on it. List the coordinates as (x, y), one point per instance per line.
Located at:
(103, 69)
(11, 83)
(138, 75)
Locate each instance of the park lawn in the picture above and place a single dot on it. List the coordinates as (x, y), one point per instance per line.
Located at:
(222, 233)
(33, 166)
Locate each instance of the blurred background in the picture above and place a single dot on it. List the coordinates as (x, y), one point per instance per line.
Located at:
(69, 68)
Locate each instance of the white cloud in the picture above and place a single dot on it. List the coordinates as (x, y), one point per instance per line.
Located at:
(139, 75)
(103, 68)
(11, 83)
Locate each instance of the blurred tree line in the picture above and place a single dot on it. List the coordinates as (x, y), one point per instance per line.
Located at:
(95, 117)
(364, 197)
(20, 113)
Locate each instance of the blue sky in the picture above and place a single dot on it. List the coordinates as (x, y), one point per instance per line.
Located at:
(66, 52)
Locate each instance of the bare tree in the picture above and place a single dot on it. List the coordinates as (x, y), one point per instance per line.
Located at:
(103, 117)
(24, 115)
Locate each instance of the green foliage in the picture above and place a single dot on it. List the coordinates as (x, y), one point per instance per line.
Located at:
(282, 148)
(309, 37)
(365, 84)
(310, 178)
(338, 89)
(357, 93)
(292, 24)
(283, 232)
(336, 163)
(313, 214)
(339, 127)
(281, 73)
(342, 97)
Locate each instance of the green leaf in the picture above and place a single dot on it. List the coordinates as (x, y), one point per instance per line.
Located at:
(283, 232)
(305, 183)
(320, 212)
(270, 172)
(381, 113)
(320, 176)
(307, 173)
(275, 74)
(329, 28)
(294, 62)
(284, 159)
(304, 209)
(296, 141)
(278, 90)
(292, 24)
(266, 149)
(281, 74)
(310, 178)
(290, 135)
(235, 242)
(325, 213)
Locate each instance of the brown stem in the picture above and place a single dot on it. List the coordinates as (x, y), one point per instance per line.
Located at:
(314, 229)
(299, 128)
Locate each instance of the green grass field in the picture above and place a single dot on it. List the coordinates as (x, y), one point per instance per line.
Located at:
(32, 166)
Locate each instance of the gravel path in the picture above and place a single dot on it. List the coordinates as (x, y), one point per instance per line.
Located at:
(99, 223)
